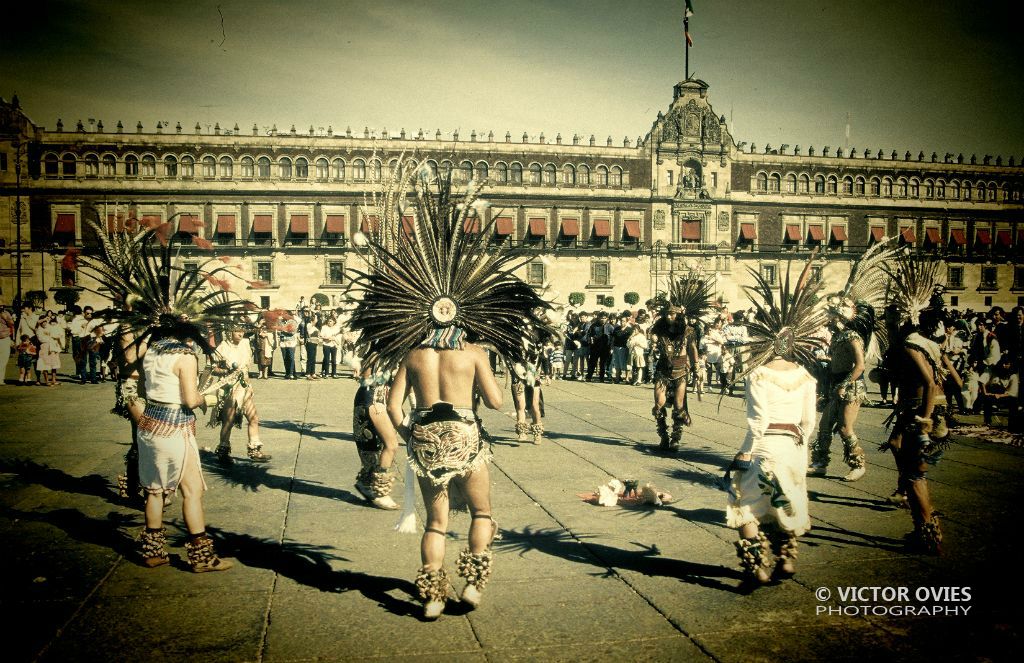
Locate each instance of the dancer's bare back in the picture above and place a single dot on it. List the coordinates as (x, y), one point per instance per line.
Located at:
(444, 375)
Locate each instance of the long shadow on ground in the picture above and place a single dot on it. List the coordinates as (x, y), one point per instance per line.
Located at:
(252, 477)
(306, 429)
(646, 559)
(31, 472)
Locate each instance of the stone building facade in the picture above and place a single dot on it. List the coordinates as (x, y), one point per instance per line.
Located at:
(596, 218)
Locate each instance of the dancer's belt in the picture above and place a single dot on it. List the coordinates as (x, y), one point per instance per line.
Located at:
(170, 406)
(782, 429)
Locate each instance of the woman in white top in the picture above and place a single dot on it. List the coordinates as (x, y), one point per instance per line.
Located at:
(330, 339)
(168, 455)
(51, 339)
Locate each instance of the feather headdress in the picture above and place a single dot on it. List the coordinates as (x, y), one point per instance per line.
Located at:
(786, 327)
(915, 284)
(867, 281)
(155, 296)
(690, 294)
(442, 281)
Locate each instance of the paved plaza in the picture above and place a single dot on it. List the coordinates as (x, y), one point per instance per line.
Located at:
(321, 576)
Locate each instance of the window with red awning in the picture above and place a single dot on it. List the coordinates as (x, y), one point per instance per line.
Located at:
(748, 232)
(1003, 238)
(816, 233)
(408, 226)
(877, 233)
(631, 228)
(958, 236)
(263, 223)
(984, 237)
(226, 224)
(471, 225)
(908, 235)
(503, 225)
(793, 232)
(369, 223)
(335, 224)
(602, 228)
(189, 223)
(299, 224)
(931, 235)
(65, 225)
(838, 233)
(690, 231)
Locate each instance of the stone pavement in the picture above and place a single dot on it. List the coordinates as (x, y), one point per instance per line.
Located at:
(321, 576)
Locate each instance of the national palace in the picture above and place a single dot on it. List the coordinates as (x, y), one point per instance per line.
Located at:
(607, 220)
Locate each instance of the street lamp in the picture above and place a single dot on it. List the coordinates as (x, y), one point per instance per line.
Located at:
(17, 145)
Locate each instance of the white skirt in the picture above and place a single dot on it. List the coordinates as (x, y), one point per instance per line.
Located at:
(774, 488)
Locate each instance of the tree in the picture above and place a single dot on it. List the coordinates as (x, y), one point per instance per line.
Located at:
(66, 297)
(609, 301)
(631, 298)
(37, 297)
(576, 298)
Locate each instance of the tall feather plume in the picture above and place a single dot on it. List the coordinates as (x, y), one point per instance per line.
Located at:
(868, 274)
(442, 257)
(914, 280)
(692, 292)
(787, 325)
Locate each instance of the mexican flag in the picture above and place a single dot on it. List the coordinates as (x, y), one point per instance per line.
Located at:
(689, 9)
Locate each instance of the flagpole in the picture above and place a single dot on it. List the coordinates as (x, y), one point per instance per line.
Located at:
(686, 34)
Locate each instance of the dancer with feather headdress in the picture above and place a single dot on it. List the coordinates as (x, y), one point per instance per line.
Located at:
(689, 298)
(919, 428)
(768, 493)
(853, 323)
(432, 299)
(169, 320)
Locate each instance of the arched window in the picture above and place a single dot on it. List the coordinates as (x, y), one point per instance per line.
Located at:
(940, 189)
(263, 168)
(359, 170)
(501, 172)
(284, 168)
(968, 192)
(322, 169)
(92, 165)
(481, 171)
(833, 184)
(602, 176)
(991, 191)
(569, 174)
(148, 165)
(915, 188)
(534, 173)
(51, 166)
(790, 183)
(109, 165)
(858, 186)
(445, 168)
(773, 182)
(887, 187)
(517, 173)
(549, 174)
(301, 168)
(209, 167)
(248, 167)
(583, 175)
(819, 184)
(188, 166)
(981, 191)
(131, 166)
(615, 176)
(338, 169)
(69, 165)
(465, 171)
(874, 187)
(170, 166)
(929, 189)
(847, 185)
(901, 187)
(803, 184)
(375, 169)
(762, 182)
(954, 190)
(227, 167)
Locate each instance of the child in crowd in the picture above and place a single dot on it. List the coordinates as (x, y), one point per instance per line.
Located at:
(557, 362)
(26, 359)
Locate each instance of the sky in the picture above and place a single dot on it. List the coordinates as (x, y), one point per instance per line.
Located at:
(941, 75)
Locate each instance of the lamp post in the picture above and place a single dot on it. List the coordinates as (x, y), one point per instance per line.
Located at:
(18, 146)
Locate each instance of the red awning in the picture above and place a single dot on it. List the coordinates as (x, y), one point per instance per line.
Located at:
(931, 235)
(369, 223)
(793, 232)
(189, 223)
(958, 236)
(877, 233)
(503, 225)
(1003, 238)
(299, 224)
(747, 231)
(335, 223)
(984, 237)
(408, 226)
(538, 227)
(225, 224)
(817, 233)
(471, 225)
(115, 223)
(690, 230)
(602, 228)
(631, 228)
(65, 225)
(908, 235)
(839, 233)
(263, 223)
